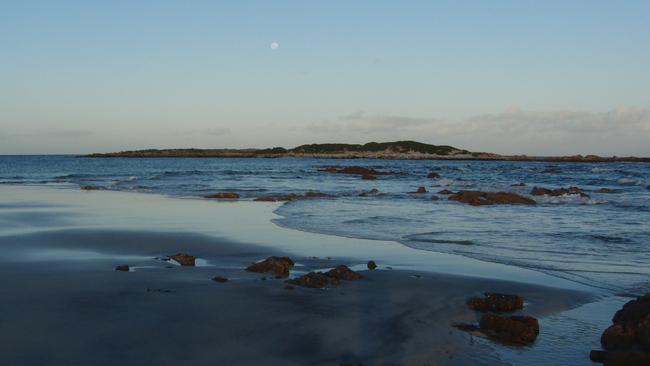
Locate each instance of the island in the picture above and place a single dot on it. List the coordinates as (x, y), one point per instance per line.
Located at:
(398, 150)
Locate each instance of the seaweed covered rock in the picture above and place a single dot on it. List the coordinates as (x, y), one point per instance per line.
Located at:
(493, 302)
(480, 198)
(278, 266)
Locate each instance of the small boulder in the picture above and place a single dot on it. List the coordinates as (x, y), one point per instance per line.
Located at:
(184, 259)
(421, 190)
(512, 329)
(493, 302)
(224, 195)
(372, 265)
(278, 266)
(434, 198)
(219, 279)
(122, 267)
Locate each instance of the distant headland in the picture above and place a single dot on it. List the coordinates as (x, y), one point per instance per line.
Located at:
(406, 150)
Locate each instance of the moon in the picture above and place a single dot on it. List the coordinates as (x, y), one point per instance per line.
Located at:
(275, 45)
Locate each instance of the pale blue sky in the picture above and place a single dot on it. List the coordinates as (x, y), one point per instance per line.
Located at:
(535, 77)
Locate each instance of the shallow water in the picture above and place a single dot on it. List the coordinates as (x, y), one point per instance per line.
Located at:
(601, 241)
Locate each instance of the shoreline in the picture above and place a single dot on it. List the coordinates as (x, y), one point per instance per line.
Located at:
(85, 234)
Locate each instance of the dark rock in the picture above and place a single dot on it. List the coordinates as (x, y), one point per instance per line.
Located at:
(320, 279)
(479, 198)
(621, 358)
(89, 188)
(434, 198)
(311, 280)
(512, 329)
(445, 191)
(122, 267)
(421, 190)
(618, 337)
(219, 279)
(597, 356)
(539, 191)
(605, 190)
(372, 192)
(643, 333)
(314, 194)
(372, 265)
(433, 175)
(633, 311)
(496, 303)
(183, 259)
(278, 266)
(368, 177)
(223, 195)
(286, 197)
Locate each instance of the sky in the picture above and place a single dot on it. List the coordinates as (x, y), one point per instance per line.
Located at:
(511, 77)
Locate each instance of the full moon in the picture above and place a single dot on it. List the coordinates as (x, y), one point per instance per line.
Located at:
(275, 45)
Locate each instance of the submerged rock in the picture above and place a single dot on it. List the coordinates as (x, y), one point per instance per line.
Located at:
(122, 267)
(219, 279)
(315, 194)
(540, 191)
(286, 197)
(368, 177)
(445, 191)
(520, 184)
(627, 340)
(512, 329)
(434, 198)
(606, 190)
(184, 259)
(433, 175)
(479, 198)
(496, 303)
(421, 190)
(223, 195)
(372, 192)
(279, 266)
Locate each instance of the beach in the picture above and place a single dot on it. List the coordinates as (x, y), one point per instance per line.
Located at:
(65, 304)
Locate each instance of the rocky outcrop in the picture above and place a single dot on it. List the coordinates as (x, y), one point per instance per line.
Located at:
(479, 198)
(372, 265)
(493, 302)
(184, 259)
(511, 329)
(122, 267)
(224, 195)
(540, 191)
(627, 340)
(329, 278)
(278, 266)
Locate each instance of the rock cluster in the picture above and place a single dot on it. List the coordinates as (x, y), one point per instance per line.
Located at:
(278, 266)
(627, 340)
(510, 329)
(329, 278)
(479, 198)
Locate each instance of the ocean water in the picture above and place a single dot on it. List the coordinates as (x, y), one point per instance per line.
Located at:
(601, 241)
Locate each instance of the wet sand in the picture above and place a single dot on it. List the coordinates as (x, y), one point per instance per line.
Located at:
(64, 304)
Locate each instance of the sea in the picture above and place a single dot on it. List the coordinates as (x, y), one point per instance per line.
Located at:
(602, 240)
